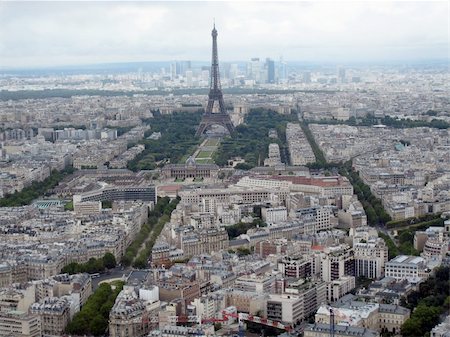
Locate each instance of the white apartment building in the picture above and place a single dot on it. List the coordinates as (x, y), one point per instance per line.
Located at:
(370, 258)
(340, 287)
(273, 215)
(285, 308)
(208, 306)
(263, 284)
(320, 215)
(337, 261)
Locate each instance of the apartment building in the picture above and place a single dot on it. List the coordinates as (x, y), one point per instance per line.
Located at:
(299, 266)
(134, 313)
(246, 301)
(370, 258)
(54, 314)
(337, 261)
(338, 288)
(204, 241)
(273, 215)
(285, 308)
(261, 284)
(313, 294)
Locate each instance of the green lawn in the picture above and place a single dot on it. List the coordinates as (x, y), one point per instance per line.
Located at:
(204, 161)
(212, 142)
(204, 154)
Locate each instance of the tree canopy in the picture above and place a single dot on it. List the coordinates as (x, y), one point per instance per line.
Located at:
(177, 140)
(92, 266)
(428, 302)
(35, 190)
(251, 140)
(93, 317)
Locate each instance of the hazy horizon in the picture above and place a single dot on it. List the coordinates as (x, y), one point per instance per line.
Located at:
(64, 34)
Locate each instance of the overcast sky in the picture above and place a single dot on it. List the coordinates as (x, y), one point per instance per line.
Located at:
(69, 33)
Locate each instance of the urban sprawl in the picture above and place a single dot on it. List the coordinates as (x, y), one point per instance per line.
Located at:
(336, 223)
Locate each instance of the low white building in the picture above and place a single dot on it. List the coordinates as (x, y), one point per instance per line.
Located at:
(406, 267)
(274, 215)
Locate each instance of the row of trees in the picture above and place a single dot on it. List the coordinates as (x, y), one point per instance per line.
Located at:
(92, 319)
(405, 243)
(122, 130)
(373, 207)
(425, 220)
(35, 190)
(177, 140)
(370, 120)
(392, 247)
(108, 261)
(321, 162)
(159, 215)
(6, 95)
(251, 139)
(430, 301)
(376, 215)
(157, 225)
(141, 261)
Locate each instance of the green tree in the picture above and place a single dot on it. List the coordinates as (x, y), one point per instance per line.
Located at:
(429, 303)
(28, 194)
(93, 317)
(68, 206)
(411, 328)
(109, 261)
(106, 204)
(241, 251)
(98, 325)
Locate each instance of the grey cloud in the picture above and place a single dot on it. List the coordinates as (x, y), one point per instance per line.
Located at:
(49, 33)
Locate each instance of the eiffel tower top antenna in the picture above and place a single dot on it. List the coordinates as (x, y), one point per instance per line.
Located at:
(215, 77)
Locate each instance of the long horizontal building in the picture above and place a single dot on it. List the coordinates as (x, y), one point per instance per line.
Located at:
(235, 194)
(406, 267)
(325, 186)
(322, 330)
(131, 193)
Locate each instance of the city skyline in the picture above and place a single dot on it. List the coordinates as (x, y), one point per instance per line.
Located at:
(42, 34)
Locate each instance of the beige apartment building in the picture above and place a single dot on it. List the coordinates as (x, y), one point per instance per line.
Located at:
(19, 323)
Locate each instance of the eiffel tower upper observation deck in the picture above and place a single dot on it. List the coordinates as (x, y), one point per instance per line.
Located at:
(215, 115)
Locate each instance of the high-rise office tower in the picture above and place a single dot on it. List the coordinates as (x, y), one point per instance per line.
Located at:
(270, 67)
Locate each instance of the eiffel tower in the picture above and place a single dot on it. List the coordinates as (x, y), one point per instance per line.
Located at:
(221, 117)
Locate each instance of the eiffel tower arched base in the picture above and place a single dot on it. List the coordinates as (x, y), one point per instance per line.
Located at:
(215, 119)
